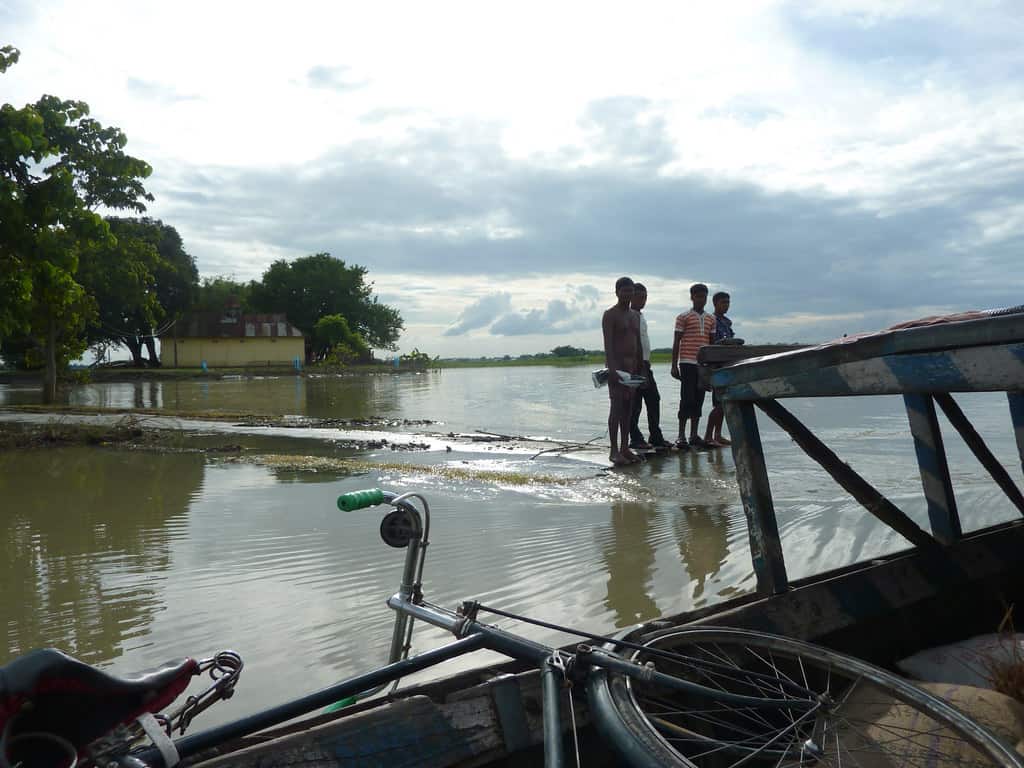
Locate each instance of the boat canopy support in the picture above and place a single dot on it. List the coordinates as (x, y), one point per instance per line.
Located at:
(1017, 415)
(931, 461)
(981, 451)
(752, 478)
(861, 490)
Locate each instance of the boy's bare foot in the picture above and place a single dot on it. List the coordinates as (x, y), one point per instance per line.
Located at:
(723, 441)
(621, 461)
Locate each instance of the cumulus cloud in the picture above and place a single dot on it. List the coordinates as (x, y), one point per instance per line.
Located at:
(480, 313)
(334, 78)
(560, 316)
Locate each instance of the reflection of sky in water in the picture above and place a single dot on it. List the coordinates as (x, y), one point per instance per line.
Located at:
(186, 554)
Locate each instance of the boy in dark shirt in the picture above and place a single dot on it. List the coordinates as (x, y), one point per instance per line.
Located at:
(723, 330)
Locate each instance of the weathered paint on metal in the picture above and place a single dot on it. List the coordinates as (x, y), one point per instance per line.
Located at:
(755, 491)
(985, 333)
(931, 461)
(869, 497)
(1016, 400)
(981, 452)
(974, 369)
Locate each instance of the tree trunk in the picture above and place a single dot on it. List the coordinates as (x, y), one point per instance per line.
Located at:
(154, 361)
(135, 347)
(50, 374)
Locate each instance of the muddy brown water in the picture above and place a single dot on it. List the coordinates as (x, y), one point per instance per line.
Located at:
(127, 558)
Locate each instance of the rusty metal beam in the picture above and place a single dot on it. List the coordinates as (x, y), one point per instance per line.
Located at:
(869, 497)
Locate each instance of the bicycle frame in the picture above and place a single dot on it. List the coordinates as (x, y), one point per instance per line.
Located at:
(471, 635)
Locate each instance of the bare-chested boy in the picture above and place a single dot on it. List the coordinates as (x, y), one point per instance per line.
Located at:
(621, 326)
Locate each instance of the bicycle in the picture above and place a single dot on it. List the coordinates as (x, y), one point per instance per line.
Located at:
(679, 696)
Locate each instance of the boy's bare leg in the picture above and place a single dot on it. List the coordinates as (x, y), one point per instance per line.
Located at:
(620, 414)
(613, 425)
(627, 418)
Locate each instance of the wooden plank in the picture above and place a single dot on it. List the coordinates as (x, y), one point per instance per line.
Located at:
(931, 461)
(993, 368)
(755, 491)
(1016, 400)
(464, 727)
(407, 733)
(873, 501)
(981, 452)
(986, 332)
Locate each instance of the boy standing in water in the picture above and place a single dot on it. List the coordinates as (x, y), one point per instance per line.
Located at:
(723, 330)
(621, 327)
(648, 392)
(694, 329)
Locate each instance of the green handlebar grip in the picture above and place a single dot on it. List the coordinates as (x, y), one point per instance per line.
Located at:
(350, 502)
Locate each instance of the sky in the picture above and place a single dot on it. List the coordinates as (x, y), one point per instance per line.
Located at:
(835, 166)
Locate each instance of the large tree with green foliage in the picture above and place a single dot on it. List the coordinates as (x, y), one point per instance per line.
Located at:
(333, 338)
(313, 287)
(215, 293)
(57, 166)
(141, 280)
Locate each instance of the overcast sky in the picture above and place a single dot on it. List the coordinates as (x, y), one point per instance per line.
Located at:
(836, 167)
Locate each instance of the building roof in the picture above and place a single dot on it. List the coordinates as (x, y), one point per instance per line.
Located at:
(231, 324)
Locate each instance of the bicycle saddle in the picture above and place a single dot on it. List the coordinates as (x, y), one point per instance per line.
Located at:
(48, 691)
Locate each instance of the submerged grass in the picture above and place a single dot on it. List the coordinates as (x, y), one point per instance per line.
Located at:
(354, 466)
(58, 433)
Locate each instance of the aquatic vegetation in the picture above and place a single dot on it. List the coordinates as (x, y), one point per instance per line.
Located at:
(354, 466)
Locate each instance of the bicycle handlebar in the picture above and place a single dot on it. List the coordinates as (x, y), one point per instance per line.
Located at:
(350, 502)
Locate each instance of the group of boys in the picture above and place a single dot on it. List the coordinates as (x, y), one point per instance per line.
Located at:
(627, 348)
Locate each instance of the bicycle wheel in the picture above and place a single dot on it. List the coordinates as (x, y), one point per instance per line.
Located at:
(834, 710)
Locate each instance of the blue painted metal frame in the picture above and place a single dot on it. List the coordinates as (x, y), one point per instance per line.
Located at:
(755, 490)
(1016, 400)
(931, 460)
(921, 364)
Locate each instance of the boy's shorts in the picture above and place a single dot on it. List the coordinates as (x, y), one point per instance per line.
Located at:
(691, 399)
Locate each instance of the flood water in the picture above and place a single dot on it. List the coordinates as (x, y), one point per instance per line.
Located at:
(128, 558)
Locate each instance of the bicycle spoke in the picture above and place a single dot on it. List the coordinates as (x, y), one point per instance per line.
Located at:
(844, 713)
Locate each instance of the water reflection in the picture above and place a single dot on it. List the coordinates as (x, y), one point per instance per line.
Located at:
(628, 555)
(702, 532)
(87, 541)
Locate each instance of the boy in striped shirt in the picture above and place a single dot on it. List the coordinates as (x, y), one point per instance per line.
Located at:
(693, 330)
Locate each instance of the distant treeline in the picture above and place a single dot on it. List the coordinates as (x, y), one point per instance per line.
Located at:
(563, 355)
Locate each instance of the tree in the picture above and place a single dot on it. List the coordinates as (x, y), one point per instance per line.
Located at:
(215, 293)
(316, 286)
(333, 338)
(141, 281)
(568, 351)
(57, 166)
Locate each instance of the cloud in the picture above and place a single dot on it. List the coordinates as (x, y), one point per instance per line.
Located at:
(334, 78)
(558, 317)
(155, 91)
(480, 313)
(436, 215)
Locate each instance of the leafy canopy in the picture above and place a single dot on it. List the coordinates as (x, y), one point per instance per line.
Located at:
(57, 166)
(313, 287)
